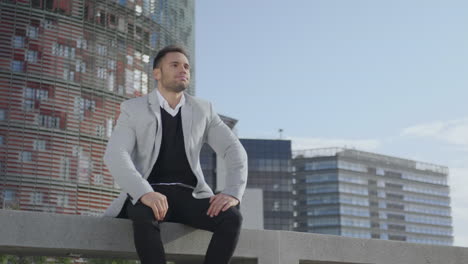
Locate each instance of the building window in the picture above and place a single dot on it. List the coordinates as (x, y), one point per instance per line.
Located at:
(321, 165)
(110, 122)
(29, 93)
(68, 75)
(81, 43)
(28, 105)
(49, 121)
(111, 64)
(39, 145)
(18, 42)
(112, 19)
(111, 81)
(31, 56)
(101, 17)
(100, 130)
(276, 206)
(64, 6)
(62, 200)
(101, 50)
(34, 93)
(10, 200)
(82, 105)
(25, 156)
(37, 198)
(80, 66)
(121, 24)
(129, 60)
(63, 50)
(98, 179)
(48, 24)
(17, 66)
(2, 114)
(1, 142)
(33, 32)
(9, 195)
(101, 73)
(138, 10)
(146, 58)
(129, 81)
(380, 171)
(76, 150)
(144, 83)
(65, 167)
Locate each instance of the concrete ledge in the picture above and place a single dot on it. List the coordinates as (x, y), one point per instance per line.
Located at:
(34, 233)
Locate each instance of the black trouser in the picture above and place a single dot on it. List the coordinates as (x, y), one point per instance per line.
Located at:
(185, 209)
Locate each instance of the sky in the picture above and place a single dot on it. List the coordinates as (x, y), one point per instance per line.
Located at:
(389, 77)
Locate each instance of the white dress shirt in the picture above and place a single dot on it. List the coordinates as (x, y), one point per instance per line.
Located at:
(165, 105)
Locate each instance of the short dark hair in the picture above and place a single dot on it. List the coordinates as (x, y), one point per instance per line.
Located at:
(165, 50)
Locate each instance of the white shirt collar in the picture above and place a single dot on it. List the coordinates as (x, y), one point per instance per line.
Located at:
(165, 105)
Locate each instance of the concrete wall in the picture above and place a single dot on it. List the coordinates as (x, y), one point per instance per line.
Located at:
(32, 233)
(252, 209)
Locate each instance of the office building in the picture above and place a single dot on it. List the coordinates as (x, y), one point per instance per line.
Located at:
(269, 166)
(65, 67)
(360, 194)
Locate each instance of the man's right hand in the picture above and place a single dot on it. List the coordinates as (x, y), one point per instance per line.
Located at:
(157, 202)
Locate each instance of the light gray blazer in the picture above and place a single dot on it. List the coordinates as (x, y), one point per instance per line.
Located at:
(134, 146)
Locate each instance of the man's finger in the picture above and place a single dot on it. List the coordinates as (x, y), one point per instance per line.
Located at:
(161, 209)
(210, 209)
(155, 211)
(213, 200)
(217, 207)
(166, 206)
(223, 205)
(227, 206)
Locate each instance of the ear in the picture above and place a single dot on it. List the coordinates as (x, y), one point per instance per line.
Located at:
(157, 73)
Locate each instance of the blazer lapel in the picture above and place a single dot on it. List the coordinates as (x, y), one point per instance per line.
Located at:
(156, 109)
(187, 117)
(154, 105)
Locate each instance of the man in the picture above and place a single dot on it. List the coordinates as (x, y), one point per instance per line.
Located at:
(153, 154)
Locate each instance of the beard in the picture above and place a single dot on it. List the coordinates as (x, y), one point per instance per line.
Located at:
(174, 86)
(177, 88)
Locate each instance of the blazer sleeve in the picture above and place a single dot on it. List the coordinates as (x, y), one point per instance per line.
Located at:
(118, 159)
(227, 146)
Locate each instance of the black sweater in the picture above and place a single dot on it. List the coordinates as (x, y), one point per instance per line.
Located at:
(172, 165)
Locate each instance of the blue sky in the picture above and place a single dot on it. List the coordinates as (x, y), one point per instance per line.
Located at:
(383, 76)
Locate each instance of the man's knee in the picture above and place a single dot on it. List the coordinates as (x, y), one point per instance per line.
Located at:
(140, 213)
(233, 219)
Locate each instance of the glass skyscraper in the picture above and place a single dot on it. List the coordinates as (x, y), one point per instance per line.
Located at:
(270, 170)
(65, 66)
(359, 194)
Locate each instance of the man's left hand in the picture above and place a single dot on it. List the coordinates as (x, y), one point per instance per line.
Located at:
(221, 202)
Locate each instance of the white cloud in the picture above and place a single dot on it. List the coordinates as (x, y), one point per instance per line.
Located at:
(312, 143)
(452, 131)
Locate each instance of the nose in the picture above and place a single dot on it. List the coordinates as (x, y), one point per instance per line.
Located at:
(183, 69)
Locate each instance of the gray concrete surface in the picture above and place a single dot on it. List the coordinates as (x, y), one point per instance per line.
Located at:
(252, 209)
(34, 233)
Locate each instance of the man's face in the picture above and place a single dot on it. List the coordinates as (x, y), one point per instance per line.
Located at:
(173, 73)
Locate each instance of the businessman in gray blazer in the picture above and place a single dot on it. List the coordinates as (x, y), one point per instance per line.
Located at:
(154, 156)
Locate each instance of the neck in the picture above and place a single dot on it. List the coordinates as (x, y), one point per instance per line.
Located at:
(171, 97)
